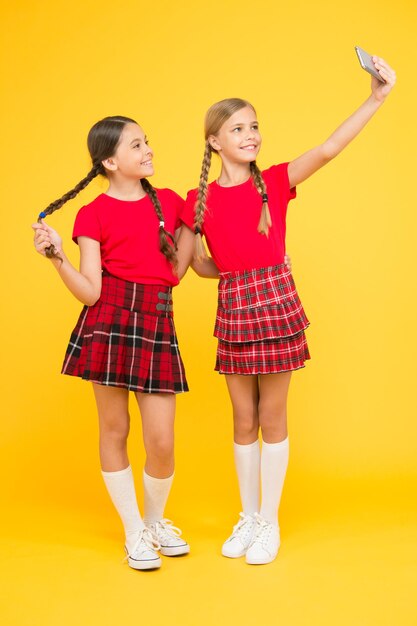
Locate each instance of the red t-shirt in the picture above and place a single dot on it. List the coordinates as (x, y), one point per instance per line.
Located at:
(128, 232)
(231, 221)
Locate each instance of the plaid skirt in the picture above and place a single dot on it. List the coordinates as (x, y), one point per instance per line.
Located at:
(127, 339)
(260, 323)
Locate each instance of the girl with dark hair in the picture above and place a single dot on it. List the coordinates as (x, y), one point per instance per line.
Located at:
(260, 320)
(125, 337)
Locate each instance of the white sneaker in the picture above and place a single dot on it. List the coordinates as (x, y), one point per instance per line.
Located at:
(265, 542)
(238, 542)
(169, 538)
(144, 554)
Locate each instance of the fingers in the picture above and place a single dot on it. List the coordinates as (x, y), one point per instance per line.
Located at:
(386, 72)
(42, 238)
(382, 64)
(41, 243)
(42, 225)
(41, 247)
(46, 237)
(46, 226)
(41, 235)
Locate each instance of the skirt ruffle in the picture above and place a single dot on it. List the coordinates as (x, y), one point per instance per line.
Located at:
(263, 357)
(260, 323)
(258, 305)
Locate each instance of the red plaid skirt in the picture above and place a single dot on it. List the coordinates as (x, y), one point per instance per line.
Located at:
(127, 339)
(260, 323)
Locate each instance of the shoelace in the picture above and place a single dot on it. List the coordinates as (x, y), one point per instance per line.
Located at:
(165, 527)
(263, 529)
(146, 537)
(243, 526)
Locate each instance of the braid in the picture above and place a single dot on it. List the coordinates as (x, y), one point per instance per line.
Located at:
(57, 204)
(165, 247)
(95, 171)
(265, 221)
(200, 206)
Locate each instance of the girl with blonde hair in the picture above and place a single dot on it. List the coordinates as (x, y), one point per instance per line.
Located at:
(260, 320)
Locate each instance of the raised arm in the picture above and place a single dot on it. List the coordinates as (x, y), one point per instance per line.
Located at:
(84, 284)
(305, 165)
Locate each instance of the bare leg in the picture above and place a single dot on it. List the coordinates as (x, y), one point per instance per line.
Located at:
(273, 393)
(243, 391)
(158, 414)
(114, 424)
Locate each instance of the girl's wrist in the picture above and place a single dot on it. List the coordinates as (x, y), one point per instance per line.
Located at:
(376, 100)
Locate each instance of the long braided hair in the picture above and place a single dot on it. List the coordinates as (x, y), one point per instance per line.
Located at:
(216, 116)
(102, 143)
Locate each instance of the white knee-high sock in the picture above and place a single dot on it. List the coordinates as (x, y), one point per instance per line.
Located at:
(247, 460)
(121, 488)
(274, 462)
(156, 492)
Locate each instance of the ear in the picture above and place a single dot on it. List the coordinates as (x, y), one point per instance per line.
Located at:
(109, 164)
(212, 139)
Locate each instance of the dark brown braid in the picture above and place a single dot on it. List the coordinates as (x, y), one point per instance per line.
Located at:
(165, 247)
(95, 171)
(200, 206)
(265, 221)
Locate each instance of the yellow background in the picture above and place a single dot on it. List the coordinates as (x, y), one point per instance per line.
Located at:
(348, 514)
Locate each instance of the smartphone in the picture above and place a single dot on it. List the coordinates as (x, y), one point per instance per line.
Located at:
(366, 62)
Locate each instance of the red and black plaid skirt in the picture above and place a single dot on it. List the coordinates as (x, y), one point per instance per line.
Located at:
(260, 323)
(127, 339)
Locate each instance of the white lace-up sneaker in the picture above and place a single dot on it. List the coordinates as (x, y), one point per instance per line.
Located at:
(169, 538)
(238, 542)
(144, 554)
(265, 542)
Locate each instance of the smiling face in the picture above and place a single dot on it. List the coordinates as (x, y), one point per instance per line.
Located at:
(133, 156)
(239, 139)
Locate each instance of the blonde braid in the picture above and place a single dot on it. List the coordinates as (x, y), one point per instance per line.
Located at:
(200, 205)
(265, 221)
(167, 250)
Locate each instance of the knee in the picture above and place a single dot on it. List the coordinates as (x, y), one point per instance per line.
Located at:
(246, 426)
(160, 447)
(273, 423)
(115, 432)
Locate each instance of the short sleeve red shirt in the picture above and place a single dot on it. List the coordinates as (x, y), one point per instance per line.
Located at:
(231, 221)
(128, 232)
